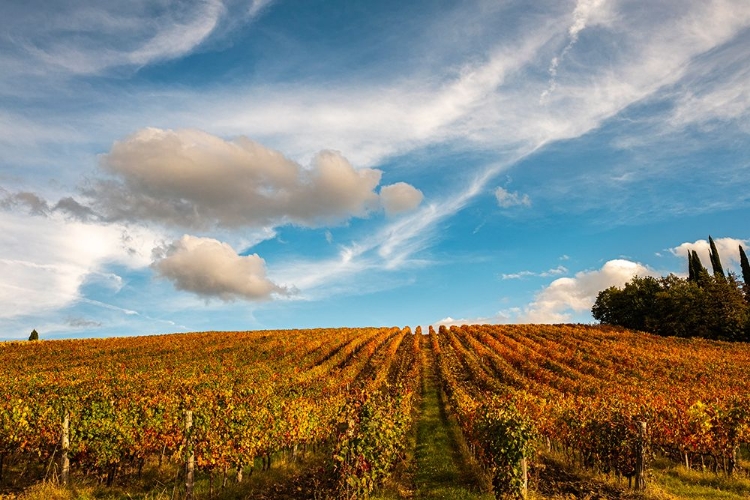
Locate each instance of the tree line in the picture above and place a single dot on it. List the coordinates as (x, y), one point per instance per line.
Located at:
(713, 305)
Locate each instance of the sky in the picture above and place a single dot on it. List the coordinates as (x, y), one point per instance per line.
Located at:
(270, 164)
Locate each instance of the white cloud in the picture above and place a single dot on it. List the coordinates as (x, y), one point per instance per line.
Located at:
(518, 275)
(556, 302)
(499, 108)
(109, 34)
(584, 13)
(490, 102)
(45, 260)
(716, 90)
(507, 199)
(556, 271)
(728, 248)
(389, 248)
(193, 179)
(489, 320)
(400, 197)
(256, 6)
(565, 297)
(210, 268)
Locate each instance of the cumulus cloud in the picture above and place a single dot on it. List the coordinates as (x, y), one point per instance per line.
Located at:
(210, 268)
(506, 199)
(556, 302)
(193, 179)
(728, 248)
(400, 197)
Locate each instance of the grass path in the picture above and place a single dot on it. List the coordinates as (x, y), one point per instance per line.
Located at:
(443, 467)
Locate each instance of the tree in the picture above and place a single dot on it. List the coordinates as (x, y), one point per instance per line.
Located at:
(713, 307)
(680, 308)
(691, 268)
(34, 335)
(727, 311)
(608, 307)
(715, 259)
(700, 273)
(745, 265)
(631, 307)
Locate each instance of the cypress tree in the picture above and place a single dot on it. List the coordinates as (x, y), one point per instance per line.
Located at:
(745, 265)
(691, 268)
(715, 259)
(34, 335)
(701, 273)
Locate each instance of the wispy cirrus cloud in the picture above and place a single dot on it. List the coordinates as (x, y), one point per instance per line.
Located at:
(36, 280)
(555, 271)
(585, 11)
(79, 39)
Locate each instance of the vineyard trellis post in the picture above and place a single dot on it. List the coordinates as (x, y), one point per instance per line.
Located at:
(190, 462)
(64, 446)
(640, 459)
(524, 478)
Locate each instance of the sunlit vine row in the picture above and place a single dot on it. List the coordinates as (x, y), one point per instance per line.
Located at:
(251, 395)
(588, 390)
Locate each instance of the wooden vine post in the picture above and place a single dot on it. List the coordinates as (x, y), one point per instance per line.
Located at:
(640, 459)
(65, 447)
(524, 478)
(190, 463)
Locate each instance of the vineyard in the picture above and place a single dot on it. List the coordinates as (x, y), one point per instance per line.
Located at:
(221, 405)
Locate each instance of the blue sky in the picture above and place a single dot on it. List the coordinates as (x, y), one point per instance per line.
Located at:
(227, 165)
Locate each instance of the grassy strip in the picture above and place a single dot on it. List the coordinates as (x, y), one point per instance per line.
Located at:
(680, 482)
(666, 480)
(444, 468)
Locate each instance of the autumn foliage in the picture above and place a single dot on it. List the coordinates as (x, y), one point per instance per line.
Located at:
(514, 390)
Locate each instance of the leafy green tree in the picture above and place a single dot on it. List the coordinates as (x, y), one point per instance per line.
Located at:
(630, 306)
(727, 309)
(713, 308)
(34, 335)
(680, 308)
(609, 306)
